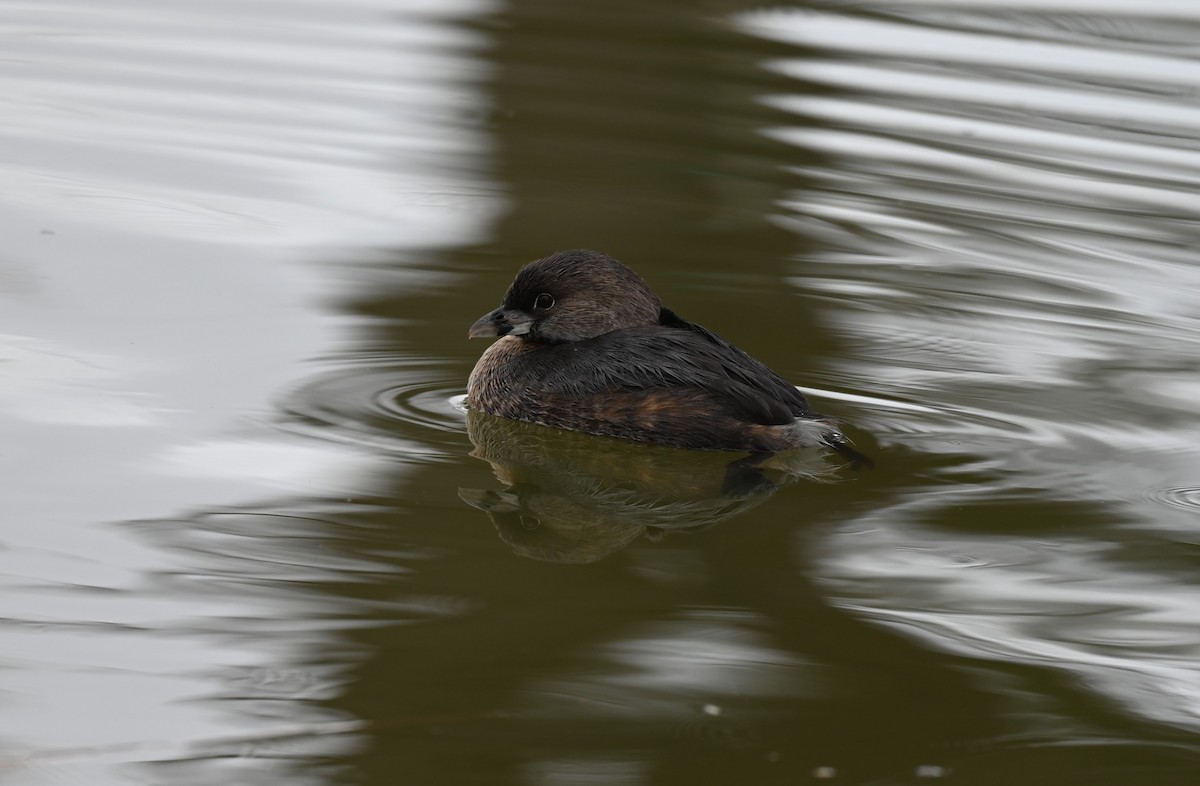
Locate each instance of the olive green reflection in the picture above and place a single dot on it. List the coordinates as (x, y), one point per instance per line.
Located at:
(577, 498)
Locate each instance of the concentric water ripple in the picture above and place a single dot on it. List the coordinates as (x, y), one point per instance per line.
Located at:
(407, 406)
(1187, 497)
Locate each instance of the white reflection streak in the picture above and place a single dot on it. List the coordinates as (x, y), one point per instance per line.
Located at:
(1164, 689)
(884, 39)
(882, 403)
(983, 134)
(984, 90)
(1124, 634)
(1181, 9)
(854, 145)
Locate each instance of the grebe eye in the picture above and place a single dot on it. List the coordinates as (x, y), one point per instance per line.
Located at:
(544, 301)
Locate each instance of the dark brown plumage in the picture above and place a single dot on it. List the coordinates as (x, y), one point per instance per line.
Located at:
(587, 346)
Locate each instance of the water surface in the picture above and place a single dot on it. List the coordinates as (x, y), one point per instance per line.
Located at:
(251, 535)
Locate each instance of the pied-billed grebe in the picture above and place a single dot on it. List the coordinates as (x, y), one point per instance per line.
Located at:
(587, 346)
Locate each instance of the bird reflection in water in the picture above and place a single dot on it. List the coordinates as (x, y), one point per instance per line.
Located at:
(577, 498)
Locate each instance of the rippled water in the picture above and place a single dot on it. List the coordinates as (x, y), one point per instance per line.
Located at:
(252, 535)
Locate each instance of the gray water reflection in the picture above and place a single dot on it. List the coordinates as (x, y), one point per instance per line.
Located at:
(171, 175)
(1051, 235)
(966, 228)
